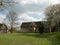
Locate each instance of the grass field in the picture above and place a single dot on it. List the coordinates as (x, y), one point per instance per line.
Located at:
(26, 39)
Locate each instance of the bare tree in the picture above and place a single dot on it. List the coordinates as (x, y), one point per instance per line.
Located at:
(12, 18)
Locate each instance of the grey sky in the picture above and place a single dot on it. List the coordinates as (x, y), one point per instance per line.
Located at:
(31, 10)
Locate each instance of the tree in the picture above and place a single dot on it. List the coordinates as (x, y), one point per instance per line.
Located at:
(41, 28)
(9, 5)
(52, 14)
(12, 17)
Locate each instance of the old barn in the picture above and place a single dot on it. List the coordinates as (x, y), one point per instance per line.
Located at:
(33, 26)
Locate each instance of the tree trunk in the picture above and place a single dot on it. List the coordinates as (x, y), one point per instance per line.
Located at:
(50, 29)
(11, 30)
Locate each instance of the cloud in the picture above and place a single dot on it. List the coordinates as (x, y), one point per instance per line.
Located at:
(2, 17)
(25, 17)
(34, 5)
(30, 16)
(24, 2)
(55, 1)
(32, 10)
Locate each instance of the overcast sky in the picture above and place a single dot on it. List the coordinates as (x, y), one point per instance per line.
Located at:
(31, 10)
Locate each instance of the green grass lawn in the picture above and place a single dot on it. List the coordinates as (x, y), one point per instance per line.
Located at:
(25, 39)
